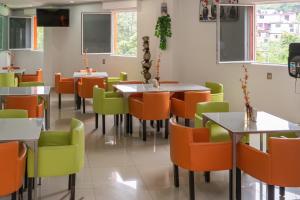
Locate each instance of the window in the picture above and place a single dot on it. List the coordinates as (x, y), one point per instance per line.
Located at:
(96, 33)
(275, 50)
(112, 33)
(245, 40)
(125, 33)
(20, 29)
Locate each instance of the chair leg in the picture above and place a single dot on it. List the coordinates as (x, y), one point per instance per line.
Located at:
(121, 119)
(161, 123)
(130, 124)
(230, 185)
(83, 104)
(117, 120)
(157, 126)
(127, 123)
(176, 176)
(238, 184)
(282, 191)
(78, 102)
(144, 130)
(96, 120)
(103, 124)
(73, 186)
(207, 177)
(30, 187)
(191, 185)
(152, 123)
(70, 182)
(177, 119)
(59, 101)
(166, 128)
(187, 122)
(271, 189)
(14, 196)
(20, 196)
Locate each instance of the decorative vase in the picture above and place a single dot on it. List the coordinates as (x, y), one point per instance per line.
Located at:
(248, 113)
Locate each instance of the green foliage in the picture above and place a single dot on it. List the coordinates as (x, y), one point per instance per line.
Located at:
(276, 52)
(163, 30)
(127, 34)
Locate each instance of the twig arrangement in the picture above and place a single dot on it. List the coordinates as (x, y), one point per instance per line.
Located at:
(85, 59)
(244, 83)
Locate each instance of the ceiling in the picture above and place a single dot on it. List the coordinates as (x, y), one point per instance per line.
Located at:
(37, 3)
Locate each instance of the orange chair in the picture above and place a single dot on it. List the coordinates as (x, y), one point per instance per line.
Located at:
(152, 106)
(86, 85)
(278, 167)
(190, 149)
(32, 104)
(12, 168)
(63, 86)
(186, 107)
(37, 77)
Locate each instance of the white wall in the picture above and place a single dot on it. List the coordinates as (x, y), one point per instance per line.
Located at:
(62, 48)
(195, 61)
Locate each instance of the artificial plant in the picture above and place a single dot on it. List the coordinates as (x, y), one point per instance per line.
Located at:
(163, 30)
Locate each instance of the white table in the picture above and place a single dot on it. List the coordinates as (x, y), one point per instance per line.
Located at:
(77, 76)
(128, 89)
(43, 91)
(15, 71)
(237, 126)
(26, 130)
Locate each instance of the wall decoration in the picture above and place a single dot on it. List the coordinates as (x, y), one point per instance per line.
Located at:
(147, 62)
(208, 10)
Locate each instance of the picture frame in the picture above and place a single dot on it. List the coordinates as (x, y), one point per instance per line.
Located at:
(208, 10)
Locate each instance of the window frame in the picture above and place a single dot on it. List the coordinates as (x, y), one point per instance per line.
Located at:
(114, 12)
(112, 33)
(31, 33)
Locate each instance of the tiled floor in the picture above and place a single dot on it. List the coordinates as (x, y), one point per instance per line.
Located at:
(119, 167)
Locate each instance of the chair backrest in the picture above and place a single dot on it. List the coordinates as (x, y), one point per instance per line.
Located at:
(31, 84)
(89, 83)
(7, 79)
(39, 74)
(98, 96)
(57, 80)
(13, 113)
(211, 107)
(28, 103)
(285, 163)
(180, 138)
(123, 76)
(8, 167)
(191, 99)
(215, 87)
(156, 105)
(78, 138)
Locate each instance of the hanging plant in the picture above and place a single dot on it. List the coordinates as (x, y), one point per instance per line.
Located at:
(163, 30)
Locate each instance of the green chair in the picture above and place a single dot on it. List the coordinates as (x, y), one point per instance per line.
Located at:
(107, 103)
(8, 80)
(218, 134)
(13, 113)
(30, 84)
(217, 91)
(115, 80)
(60, 153)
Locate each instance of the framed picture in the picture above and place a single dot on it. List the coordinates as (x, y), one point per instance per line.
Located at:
(208, 10)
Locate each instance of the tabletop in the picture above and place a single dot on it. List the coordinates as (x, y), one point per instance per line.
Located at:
(236, 122)
(37, 90)
(93, 74)
(27, 129)
(139, 88)
(16, 71)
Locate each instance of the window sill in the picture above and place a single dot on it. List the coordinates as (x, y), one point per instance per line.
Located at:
(122, 56)
(269, 65)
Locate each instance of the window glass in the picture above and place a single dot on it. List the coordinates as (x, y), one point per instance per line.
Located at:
(19, 33)
(281, 27)
(125, 33)
(96, 33)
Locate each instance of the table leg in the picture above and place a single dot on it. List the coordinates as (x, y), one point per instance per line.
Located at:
(75, 94)
(35, 197)
(48, 110)
(235, 140)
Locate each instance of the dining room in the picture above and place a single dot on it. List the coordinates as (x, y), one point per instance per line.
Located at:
(149, 99)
